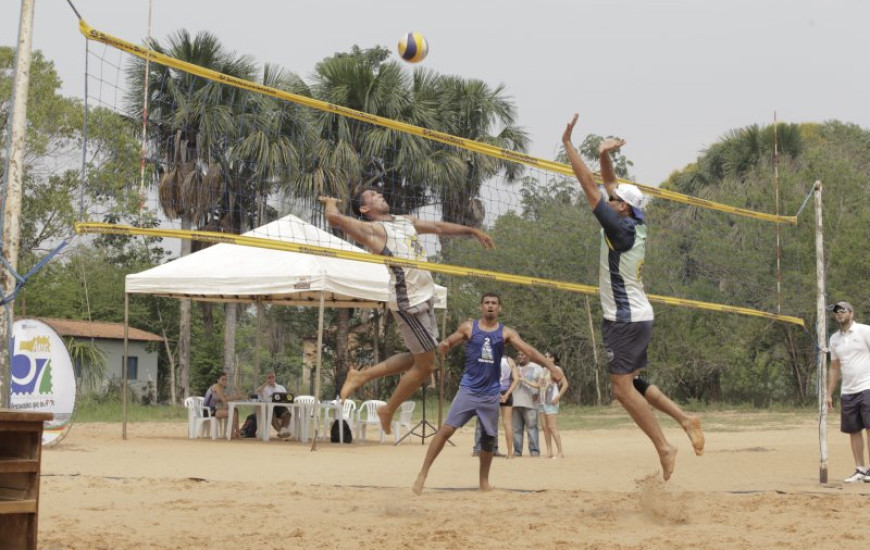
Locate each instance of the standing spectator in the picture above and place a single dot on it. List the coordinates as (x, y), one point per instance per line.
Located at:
(550, 396)
(850, 358)
(525, 413)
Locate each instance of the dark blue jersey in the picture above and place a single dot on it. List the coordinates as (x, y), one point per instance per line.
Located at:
(483, 354)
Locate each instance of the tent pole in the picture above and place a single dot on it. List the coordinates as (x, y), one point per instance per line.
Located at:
(441, 368)
(319, 348)
(257, 343)
(124, 366)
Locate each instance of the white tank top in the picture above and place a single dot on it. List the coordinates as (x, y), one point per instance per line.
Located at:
(408, 286)
(504, 381)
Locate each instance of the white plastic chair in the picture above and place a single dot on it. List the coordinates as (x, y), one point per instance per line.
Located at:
(370, 408)
(199, 419)
(348, 412)
(305, 409)
(405, 413)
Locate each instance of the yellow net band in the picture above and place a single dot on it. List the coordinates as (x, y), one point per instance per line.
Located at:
(470, 145)
(259, 242)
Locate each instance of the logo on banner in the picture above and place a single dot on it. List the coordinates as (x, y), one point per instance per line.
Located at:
(42, 376)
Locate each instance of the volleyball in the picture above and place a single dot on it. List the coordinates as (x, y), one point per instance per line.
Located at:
(413, 47)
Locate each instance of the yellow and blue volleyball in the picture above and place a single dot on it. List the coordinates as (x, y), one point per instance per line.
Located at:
(413, 47)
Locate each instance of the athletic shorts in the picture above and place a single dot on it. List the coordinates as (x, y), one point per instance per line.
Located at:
(508, 403)
(466, 405)
(418, 327)
(855, 412)
(625, 345)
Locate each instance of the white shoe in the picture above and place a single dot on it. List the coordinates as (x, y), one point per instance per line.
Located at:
(284, 433)
(857, 476)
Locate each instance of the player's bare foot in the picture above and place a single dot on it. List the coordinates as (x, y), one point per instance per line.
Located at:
(696, 435)
(486, 487)
(668, 459)
(386, 418)
(351, 383)
(417, 487)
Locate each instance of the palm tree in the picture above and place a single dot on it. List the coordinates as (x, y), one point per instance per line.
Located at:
(354, 153)
(221, 149)
(90, 359)
(472, 109)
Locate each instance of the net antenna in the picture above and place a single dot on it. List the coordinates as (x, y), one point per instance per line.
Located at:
(776, 203)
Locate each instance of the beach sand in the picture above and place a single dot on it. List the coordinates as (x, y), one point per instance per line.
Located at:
(753, 488)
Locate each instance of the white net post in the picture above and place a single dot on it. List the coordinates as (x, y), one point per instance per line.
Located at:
(821, 336)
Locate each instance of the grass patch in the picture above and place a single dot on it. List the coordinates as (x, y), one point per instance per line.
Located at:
(90, 410)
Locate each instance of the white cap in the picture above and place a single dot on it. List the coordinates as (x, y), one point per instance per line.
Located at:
(632, 196)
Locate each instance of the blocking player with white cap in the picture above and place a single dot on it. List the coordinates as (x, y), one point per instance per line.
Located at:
(628, 315)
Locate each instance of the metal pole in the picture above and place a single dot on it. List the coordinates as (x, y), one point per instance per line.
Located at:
(124, 365)
(144, 120)
(441, 371)
(11, 198)
(821, 337)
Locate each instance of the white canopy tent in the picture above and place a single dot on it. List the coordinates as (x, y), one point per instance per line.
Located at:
(235, 273)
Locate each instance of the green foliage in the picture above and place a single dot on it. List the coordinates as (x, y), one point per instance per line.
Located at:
(589, 151)
(92, 361)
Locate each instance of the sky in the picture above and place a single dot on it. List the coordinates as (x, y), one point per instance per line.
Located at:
(671, 77)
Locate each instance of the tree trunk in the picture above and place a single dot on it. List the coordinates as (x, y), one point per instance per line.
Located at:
(184, 321)
(798, 375)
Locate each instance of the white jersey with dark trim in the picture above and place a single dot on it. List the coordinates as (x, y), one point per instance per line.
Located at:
(408, 286)
(620, 273)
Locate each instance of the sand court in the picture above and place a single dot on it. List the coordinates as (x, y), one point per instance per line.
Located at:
(753, 487)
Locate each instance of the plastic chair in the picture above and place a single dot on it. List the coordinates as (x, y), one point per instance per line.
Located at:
(405, 413)
(199, 419)
(370, 408)
(305, 409)
(348, 412)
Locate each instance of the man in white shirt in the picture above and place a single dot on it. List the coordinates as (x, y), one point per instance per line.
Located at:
(850, 358)
(525, 411)
(281, 415)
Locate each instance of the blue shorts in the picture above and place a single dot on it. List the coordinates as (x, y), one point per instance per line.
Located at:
(626, 344)
(467, 405)
(550, 409)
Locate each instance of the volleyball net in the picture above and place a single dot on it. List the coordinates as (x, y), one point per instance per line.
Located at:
(232, 147)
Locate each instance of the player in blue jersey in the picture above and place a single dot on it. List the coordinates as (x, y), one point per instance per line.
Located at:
(628, 315)
(479, 390)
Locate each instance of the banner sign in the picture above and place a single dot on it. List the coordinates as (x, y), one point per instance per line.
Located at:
(43, 379)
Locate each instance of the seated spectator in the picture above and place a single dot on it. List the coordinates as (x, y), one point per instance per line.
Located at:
(281, 415)
(217, 400)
